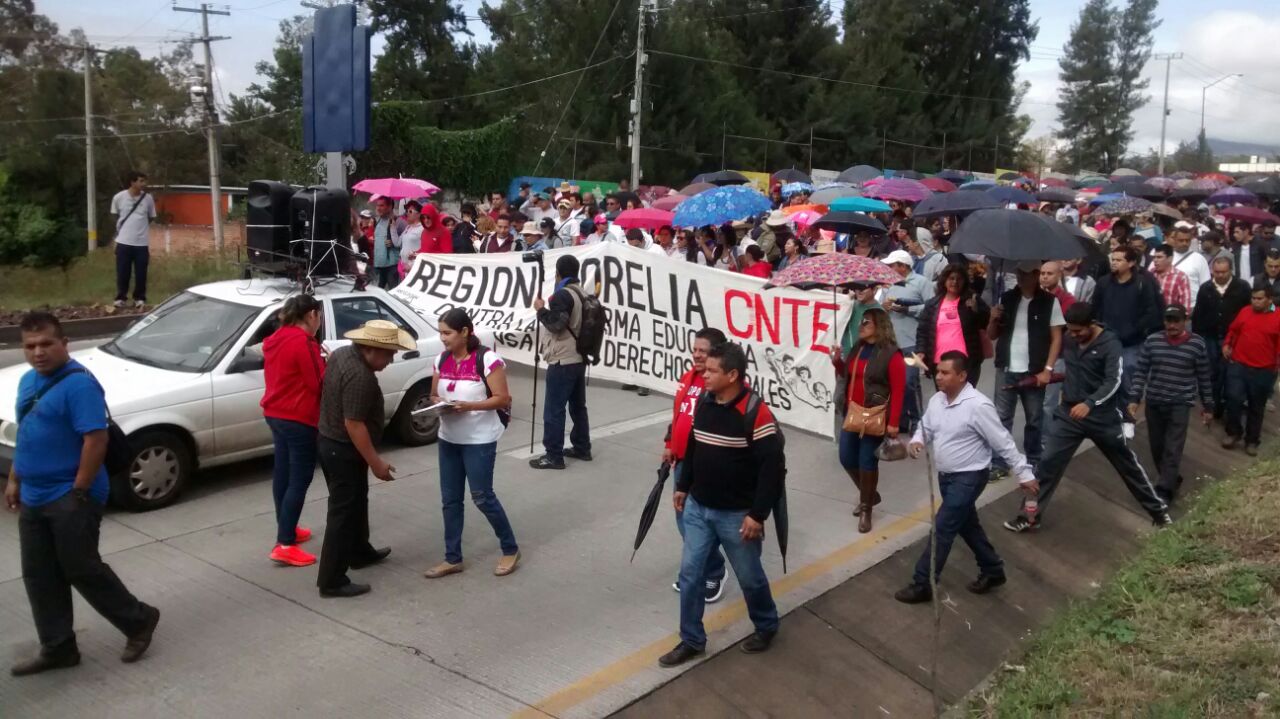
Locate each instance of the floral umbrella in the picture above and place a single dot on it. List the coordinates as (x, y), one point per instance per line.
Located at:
(792, 188)
(1125, 206)
(899, 188)
(723, 204)
(834, 270)
(1164, 183)
(1207, 183)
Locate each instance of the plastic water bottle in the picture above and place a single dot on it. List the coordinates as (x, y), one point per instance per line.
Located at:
(1031, 507)
(1127, 429)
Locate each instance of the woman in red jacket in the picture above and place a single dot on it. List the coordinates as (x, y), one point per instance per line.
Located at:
(294, 371)
(877, 377)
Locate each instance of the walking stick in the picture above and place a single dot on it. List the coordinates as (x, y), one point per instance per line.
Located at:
(933, 561)
(537, 357)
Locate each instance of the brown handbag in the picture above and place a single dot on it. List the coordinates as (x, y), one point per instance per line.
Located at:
(865, 421)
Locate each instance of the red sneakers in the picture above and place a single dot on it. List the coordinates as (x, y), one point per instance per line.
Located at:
(292, 555)
(302, 534)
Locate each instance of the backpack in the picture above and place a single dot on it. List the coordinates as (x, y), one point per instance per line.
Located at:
(752, 412)
(504, 413)
(589, 339)
(119, 457)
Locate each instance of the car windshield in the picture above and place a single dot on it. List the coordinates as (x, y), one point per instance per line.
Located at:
(188, 333)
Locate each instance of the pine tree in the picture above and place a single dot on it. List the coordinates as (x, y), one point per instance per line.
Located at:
(1087, 72)
(428, 55)
(1135, 27)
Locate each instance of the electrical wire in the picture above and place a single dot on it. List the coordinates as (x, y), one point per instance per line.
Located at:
(516, 86)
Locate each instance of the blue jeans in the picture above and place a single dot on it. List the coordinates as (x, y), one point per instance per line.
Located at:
(958, 515)
(859, 453)
(131, 259)
(1032, 399)
(566, 385)
(1247, 390)
(715, 564)
(461, 464)
(704, 530)
(1052, 398)
(295, 465)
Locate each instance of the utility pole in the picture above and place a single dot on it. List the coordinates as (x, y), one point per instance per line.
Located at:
(90, 176)
(1205, 89)
(638, 95)
(1168, 58)
(211, 119)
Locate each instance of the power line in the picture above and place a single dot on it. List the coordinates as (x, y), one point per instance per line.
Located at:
(516, 86)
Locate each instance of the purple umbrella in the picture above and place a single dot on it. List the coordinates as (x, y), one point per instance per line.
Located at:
(899, 188)
(1232, 196)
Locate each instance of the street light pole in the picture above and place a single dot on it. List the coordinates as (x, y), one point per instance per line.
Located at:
(1168, 58)
(1205, 90)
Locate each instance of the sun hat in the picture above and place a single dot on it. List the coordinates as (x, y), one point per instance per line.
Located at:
(383, 335)
(777, 218)
(531, 228)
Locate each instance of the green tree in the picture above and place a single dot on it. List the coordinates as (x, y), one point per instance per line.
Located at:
(271, 148)
(428, 54)
(1135, 28)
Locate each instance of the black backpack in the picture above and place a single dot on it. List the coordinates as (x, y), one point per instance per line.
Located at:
(119, 456)
(589, 339)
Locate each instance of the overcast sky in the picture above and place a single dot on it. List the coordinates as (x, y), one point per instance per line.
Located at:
(1235, 36)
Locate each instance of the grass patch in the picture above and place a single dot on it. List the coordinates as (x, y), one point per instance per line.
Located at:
(91, 280)
(1190, 627)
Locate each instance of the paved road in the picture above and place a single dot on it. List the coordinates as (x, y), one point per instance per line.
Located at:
(573, 633)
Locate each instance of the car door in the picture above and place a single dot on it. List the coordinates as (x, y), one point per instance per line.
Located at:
(349, 313)
(238, 384)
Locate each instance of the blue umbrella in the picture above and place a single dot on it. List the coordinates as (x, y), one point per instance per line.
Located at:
(723, 204)
(1104, 199)
(858, 204)
(1008, 194)
(792, 188)
(955, 176)
(978, 185)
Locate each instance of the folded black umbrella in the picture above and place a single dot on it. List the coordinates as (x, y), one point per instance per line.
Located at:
(1017, 235)
(954, 203)
(651, 508)
(782, 524)
(851, 223)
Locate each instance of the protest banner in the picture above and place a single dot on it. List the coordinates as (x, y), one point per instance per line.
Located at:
(655, 304)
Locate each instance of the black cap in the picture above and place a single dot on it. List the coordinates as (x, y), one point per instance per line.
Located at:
(1175, 312)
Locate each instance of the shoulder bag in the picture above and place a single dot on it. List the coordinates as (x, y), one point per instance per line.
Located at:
(865, 421)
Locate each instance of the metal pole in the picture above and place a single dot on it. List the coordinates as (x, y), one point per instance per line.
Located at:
(90, 174)
(942, 164)
(1205, 89)
(573, 175)
(995, 159)
(884, 147)
(335, 175)
(810, 152)
(724, 134)
(637, 97)
(211, 120)
(1164, 113)
(969, 169)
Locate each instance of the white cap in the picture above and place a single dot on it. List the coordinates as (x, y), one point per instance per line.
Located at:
(898, 257)
(1183, 225)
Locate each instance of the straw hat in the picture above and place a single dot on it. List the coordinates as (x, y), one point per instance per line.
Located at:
(777, 218)
(531, 228)
(383, 335)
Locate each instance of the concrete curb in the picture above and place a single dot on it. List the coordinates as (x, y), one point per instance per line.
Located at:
(10, 336)
(855, 651)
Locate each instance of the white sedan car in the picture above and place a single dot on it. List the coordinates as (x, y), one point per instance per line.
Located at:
(185, 381)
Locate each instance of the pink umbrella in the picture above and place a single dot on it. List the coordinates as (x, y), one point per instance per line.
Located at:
(669, 202)
(937, 184)
(835, 270)
(899, 188)
(647, 218)
(804, 218)
(397, 188)
(1053, 182)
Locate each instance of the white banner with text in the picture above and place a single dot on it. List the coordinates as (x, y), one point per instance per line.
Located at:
(655, 305)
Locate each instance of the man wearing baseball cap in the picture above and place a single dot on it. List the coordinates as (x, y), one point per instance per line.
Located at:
(904, 301)
(1026, 326)
(1172, 365)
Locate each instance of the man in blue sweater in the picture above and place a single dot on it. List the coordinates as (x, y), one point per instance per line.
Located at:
(1171, 366)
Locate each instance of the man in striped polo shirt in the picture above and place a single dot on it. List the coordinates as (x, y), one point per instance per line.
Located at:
(728, 483)
(1172, 365)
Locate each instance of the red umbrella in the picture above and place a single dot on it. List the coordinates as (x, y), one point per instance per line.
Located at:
(1054, 182)
(1250, 214)
(647, 218)
(937, 184)
(669, 202)
(1220, 177)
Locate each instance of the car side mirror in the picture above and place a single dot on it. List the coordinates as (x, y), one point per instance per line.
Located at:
(415, 354)
(247, 362)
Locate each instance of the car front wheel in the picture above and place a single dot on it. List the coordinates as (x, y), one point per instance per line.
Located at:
(416, 431)
(162, 464)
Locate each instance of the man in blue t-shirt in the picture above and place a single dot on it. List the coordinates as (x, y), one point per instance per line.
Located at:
(59, 487)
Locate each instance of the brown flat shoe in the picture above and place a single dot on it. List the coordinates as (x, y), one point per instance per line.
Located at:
(507, 564)
(443, 569)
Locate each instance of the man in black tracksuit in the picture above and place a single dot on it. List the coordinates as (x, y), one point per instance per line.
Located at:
(1089, 410)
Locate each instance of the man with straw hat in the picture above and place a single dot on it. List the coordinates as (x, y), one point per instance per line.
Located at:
(351, 422)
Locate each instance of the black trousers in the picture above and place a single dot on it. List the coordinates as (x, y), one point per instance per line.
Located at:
(346, 531)
(131, 259)
(1108, 436)
(59, 543)
(1167, 430)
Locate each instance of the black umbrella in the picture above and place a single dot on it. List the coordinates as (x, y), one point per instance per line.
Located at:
(782, 524)
(1056, 194)
(651, 508)
(1193, 194)
(1129, 179)
(851, 223)
(723, 177)
(1146, 192)
(858, 174)
(791, 175)
(1006, 176)
(954, 203)
(955, 176)
(909, 174)
(1266, 186)
(1017, 235)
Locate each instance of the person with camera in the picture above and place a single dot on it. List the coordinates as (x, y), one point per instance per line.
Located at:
(59, 486)
(561, 318)
(351, 423)
(964, 430)
(293, 370)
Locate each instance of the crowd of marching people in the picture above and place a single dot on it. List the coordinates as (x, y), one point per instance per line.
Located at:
(1164, 307)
